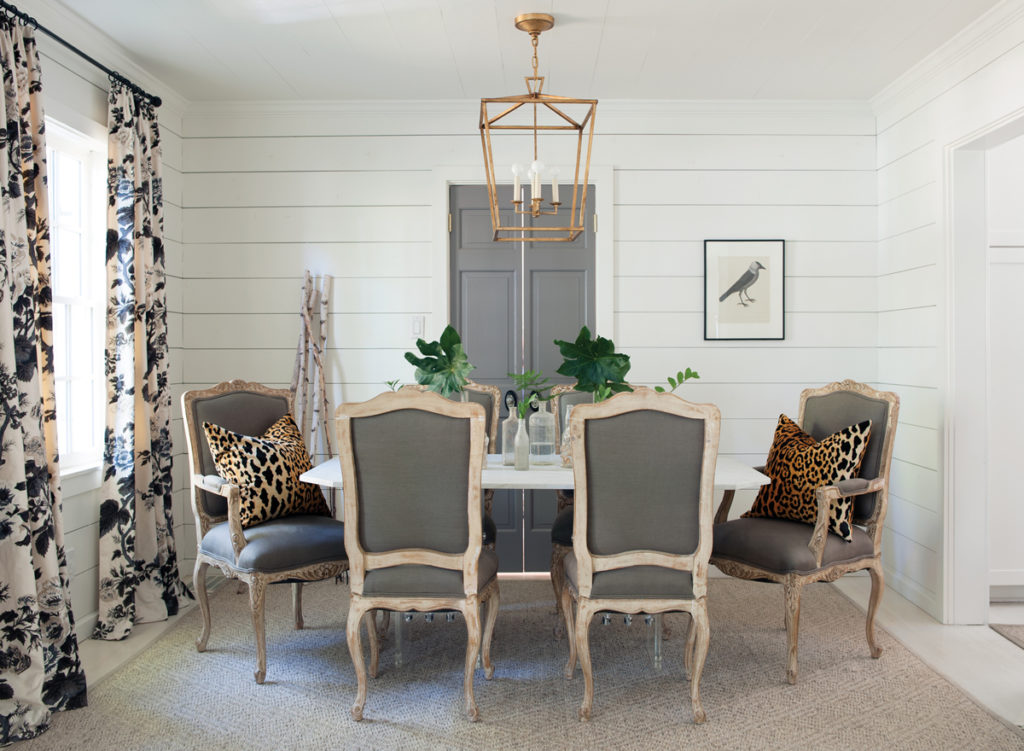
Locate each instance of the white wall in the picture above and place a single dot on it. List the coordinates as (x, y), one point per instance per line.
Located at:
(74, 93)
(349, 190)
(965, 90)
(1006, 363)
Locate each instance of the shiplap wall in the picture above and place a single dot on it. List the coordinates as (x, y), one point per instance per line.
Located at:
(968, 88)
(76, 95)
(273, 189)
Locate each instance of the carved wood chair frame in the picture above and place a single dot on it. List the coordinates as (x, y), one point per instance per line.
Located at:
(361, 561)
(826, 495)
(577, 625)
(256, 581)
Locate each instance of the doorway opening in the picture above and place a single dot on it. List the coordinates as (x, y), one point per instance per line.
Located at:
(977, 399)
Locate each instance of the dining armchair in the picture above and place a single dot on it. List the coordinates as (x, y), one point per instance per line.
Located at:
(291, 547)
(644, 473)
(794, 553)
(411, 465)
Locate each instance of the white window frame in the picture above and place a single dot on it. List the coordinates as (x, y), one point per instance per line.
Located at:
(80, 468)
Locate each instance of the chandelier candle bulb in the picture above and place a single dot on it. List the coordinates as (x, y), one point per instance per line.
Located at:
(554, 187)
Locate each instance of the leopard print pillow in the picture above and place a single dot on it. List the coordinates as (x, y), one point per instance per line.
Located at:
(266, 470)
(798, 465)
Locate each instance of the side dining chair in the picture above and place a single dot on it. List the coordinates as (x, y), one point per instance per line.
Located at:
(411, 464)
(644, 469)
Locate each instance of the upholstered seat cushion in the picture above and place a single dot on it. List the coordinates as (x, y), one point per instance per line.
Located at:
(780, 545)
(427, 581)
(561, 529)
(636, 581)
(280, 544)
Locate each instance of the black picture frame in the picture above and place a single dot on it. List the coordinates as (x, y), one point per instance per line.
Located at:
(732, 270)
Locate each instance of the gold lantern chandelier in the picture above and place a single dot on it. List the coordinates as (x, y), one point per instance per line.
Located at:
(537, 114)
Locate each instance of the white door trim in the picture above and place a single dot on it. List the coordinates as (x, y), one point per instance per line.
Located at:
(965, 559)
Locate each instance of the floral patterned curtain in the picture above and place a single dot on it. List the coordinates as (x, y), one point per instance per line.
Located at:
(138, 576)
(40, 670)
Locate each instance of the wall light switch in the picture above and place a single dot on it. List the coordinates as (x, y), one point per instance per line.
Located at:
(417, 326)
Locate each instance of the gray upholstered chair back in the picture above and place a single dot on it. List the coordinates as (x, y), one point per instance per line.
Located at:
(484, 397)
(412, 468)
(486, 400)
(825, 414)
(245, 412)
(643, 482)
(566, 400)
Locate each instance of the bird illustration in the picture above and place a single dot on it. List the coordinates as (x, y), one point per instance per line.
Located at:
(741, 285)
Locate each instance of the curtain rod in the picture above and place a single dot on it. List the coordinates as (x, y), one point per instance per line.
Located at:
(25, 18)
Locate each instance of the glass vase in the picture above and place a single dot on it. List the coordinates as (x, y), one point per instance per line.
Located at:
(522, 447)
(542, 436)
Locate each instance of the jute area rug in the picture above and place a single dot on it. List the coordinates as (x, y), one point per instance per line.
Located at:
(171, 697)
(1014, 633)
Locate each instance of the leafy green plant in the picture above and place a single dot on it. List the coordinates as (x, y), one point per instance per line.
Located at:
(681, 378)
(444, 367)
(393, 385)
(534, 383)
(595, 365)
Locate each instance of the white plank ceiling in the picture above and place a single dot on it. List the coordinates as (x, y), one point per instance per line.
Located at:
(465, 49)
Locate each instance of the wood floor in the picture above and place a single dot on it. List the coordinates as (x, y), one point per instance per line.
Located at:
(975, 658)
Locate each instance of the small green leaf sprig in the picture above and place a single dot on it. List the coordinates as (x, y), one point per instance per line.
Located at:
(681, 378)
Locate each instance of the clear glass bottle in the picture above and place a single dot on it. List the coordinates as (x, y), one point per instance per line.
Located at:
(522, 447)
(542, 436)
(509, 426)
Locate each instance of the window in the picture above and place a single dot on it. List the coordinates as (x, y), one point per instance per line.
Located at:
(75, 172)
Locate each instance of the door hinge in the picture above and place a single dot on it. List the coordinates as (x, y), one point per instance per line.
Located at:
(595, 224)
(449, 222)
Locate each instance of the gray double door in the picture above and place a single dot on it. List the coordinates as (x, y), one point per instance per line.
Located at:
(510, 301)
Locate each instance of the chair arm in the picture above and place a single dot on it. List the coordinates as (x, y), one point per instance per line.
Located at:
(722, 514)
(220, 486)
(826, 495)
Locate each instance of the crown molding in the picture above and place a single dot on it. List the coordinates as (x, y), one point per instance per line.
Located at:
(64, 22)
(938, 70)
(668, 107)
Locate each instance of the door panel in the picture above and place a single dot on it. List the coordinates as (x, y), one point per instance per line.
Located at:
(558, 301)
(492, 306)
(489, 302)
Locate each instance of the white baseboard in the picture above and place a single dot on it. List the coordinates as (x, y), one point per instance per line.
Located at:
(1006, 577)
(84, 626)
(1006, 593)
(925, 599)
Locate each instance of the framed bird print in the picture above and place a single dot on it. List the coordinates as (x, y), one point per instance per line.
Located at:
(744, 289)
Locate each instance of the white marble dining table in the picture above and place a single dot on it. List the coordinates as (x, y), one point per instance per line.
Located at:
(730, 474)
